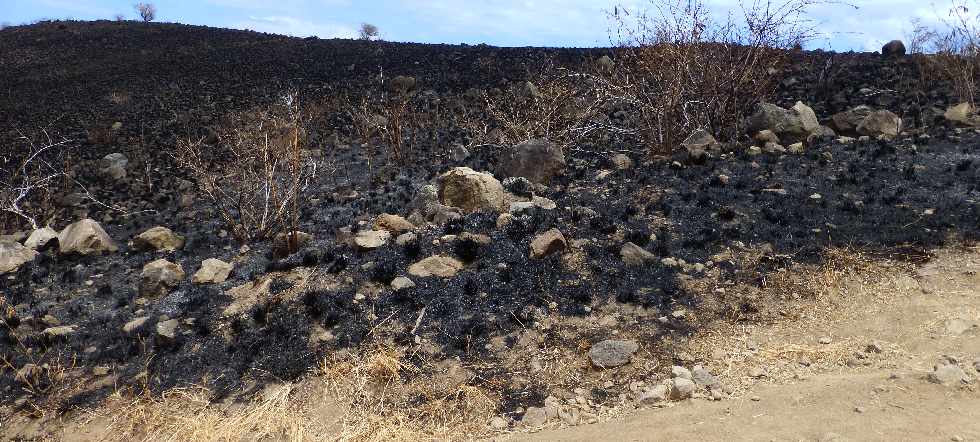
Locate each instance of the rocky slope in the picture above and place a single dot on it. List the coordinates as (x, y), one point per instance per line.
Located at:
(467, 258)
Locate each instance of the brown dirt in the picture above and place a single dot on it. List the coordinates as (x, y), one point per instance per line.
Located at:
(904, 310)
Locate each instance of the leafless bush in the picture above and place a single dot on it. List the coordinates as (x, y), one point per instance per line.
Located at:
(28, 177)
(682, 68)
(257, 171)
(147, 11)
(955, 50)
(119, 17)
(368, 32)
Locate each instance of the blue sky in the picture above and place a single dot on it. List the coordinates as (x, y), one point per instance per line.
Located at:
(497, 22)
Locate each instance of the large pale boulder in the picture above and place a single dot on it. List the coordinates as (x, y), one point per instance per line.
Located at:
(881, 122)
(212, 271)
(40, 238)
(963, 114)
(85, 237)
(470, 190)
(441, 266)
(13, 255)
(538, 160)
(371, 239)
(847, 122)
(790, 125)
(159, 277)
(160, 239)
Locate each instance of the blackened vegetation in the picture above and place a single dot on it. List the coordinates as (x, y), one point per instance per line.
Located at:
(887, 197)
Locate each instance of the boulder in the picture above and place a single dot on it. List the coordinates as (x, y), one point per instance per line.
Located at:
(605, 63)
(402, 84)
(438, 265)
(963, 114)
(159, 277)
(212, 271)
(790, 125)
(135, 324)
(881, 122)
(13, 255)
(471, 191)
(402, 283)
(160, 239)
(85, 237)
(612, 353)
(40, 238)
(847, 122)
(547, 243)
(114, 166)
(682, 389)
(393, 223)
(635, 256)
(622, 162)
(894, 48)
(538, 160)
(371, 239)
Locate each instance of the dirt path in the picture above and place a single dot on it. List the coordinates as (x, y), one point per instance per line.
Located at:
(918, 318)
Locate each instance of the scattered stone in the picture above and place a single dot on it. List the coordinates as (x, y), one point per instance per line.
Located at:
(159, 277)
(653, 395)
(757, 372)
(754, 151)
(698, 143)
(60, 331)
(135, 324)
(167, 330)
(402, 283)
(535, 417)
(13, 255)
(40, 238)
(635, 256)
(880, 122)
(847, 122)
(682, 389)
(85, 237)
(498, 423)
(612, 353)
(622, 162)
(114, 166)
(405, 238)
(438, 265)
(212, 271)
(948, 375)
(471, 191)
(538, 160)
(703, 377)
(393, 223)
(548, 243)
(160, 239)
(894, 48)
(825, 340)
(371, 239)
(681, 372)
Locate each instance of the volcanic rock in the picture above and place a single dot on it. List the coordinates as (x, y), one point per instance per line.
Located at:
(212, 271)
(13, 255)
(160, 239)
(159, 277)
(85, 237)
(40, 238)
(538, 160)
(634, 255)
(548, 243)
(393, 223)
(471, 191)
(612, 353)
(963, 114)
(371, 239)
(847, 122)
(894, 48)
(438, 265)
(881, 122)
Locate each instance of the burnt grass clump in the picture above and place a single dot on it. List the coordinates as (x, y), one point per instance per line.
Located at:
(896, 198)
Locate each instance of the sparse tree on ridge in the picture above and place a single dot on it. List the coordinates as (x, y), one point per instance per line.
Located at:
(368, 31)
(147, 11)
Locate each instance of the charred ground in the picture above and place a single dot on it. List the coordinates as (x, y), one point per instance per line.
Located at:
(900, 197)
